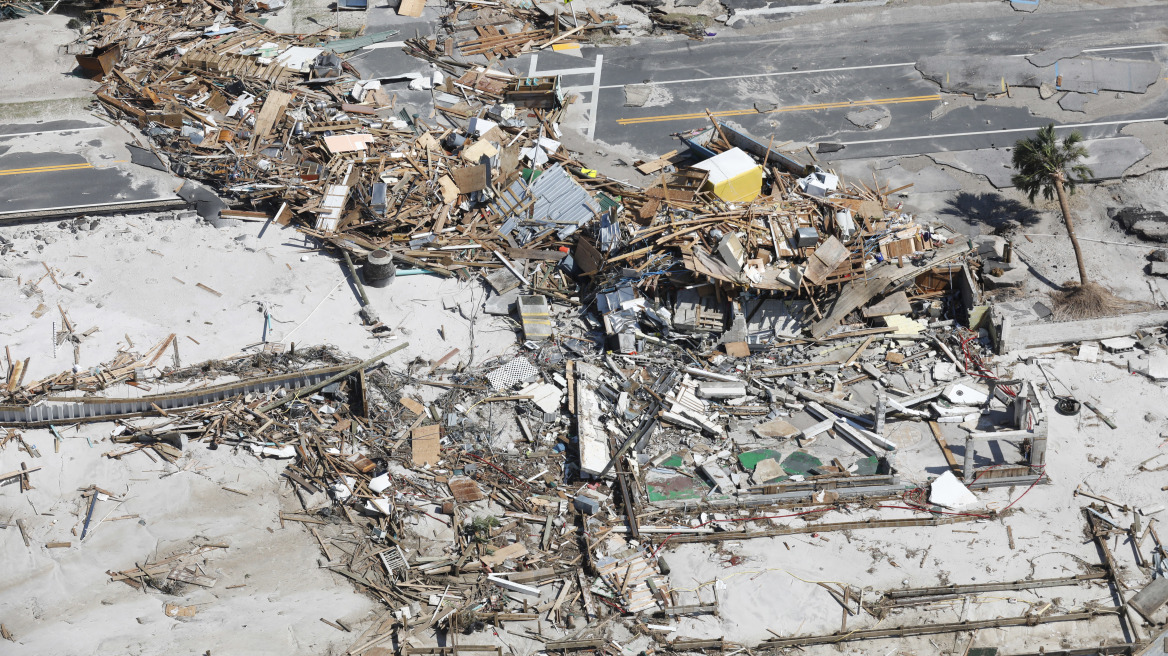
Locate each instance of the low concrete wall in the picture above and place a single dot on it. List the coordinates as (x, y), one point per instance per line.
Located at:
(1013, 337)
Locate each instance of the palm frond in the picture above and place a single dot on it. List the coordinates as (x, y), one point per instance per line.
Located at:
(1041, 159)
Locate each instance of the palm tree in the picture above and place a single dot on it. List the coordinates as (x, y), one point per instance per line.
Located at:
(1044, 164)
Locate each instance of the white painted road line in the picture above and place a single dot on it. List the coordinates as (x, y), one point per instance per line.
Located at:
(590, 108)
(1003, 131)
(841, 69)
(91, 205)
(753, 75)
(1110, 48)
(595, 105)
(25, 134)
(568, 71)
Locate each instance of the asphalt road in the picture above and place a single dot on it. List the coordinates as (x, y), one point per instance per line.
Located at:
(66, 165)
(812, 78)
(795, 84)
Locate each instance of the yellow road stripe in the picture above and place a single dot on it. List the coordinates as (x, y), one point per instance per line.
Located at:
(47, 169)
(793, 108)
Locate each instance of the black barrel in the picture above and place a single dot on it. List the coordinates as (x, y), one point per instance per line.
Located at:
(379, 270)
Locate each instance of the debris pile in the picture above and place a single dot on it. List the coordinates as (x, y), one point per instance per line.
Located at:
(544, 486)
(282, 128)
(14, 9)
(744, 347)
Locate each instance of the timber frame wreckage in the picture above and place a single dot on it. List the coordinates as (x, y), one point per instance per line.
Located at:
(747, 291)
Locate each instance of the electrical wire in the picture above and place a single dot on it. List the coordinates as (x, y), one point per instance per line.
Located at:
(915, 496)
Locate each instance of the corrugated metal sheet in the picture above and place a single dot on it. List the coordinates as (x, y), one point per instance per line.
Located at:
(559, 199)
(561, 205)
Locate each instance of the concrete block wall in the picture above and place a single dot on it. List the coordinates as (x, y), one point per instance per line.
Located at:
(1015, 337)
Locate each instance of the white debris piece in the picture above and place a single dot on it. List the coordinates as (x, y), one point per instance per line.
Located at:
(282, 452)
(1088, 352)
(717, 475)
(715, 389)
(944, 372)
(426, 81)
(378, 484)
(767, 469)
(480, 126)
(379, 505)
(1118, 344)
(512, 586)
(953, 410)
(546, 397)
(965, 395)
(948, 492)
(362, 87)
(241, 104)
(298, 58)
(593, 439)
(343, 489)
(819, 183)
(1157, 368)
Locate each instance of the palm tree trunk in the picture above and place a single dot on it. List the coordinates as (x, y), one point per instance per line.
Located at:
(1062, 198)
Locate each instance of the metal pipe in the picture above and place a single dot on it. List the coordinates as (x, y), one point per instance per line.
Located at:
(511, 268)
(967, 466)
(356, 278)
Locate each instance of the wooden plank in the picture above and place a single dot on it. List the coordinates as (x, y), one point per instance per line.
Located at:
(655, 165)
(533, 254)
(936, 428)
(859, 351)
(829, 255)
(207, 289)
(272, 111)
(18, 472)
(443, 360)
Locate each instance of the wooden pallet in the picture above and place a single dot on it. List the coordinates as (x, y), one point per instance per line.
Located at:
(499, 42)
(628, 579)
(238, 66)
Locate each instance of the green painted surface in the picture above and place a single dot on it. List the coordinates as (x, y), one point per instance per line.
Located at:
(866, 466)
(676, 488)
(750, 459)
(800, 462)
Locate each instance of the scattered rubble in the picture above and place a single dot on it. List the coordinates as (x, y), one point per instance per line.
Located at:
(750, 348)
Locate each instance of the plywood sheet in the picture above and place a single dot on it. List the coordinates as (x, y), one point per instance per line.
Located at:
(511, 551)
(465, 490)
(895, 304)
(826, 258)
(426, 443)
(470, 179)
(272, 111)
(411, 8)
